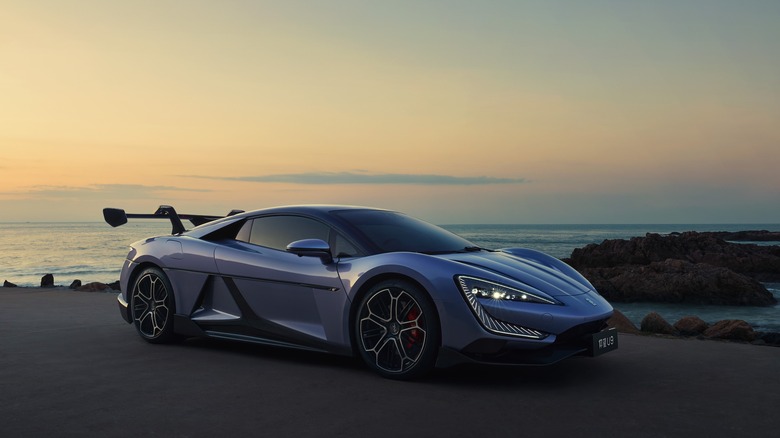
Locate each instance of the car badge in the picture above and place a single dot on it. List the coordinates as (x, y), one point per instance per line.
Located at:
(591, 301)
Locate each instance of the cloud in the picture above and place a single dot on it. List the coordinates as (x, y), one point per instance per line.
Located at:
(369, 178)
(97, 191)
(143, 188)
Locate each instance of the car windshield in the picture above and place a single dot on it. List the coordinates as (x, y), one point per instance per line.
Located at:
(390, 231)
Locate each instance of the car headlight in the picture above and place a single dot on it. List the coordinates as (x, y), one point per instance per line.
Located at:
(474, 290)
(485, 289)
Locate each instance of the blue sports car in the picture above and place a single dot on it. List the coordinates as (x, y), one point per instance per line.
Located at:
(403, 295)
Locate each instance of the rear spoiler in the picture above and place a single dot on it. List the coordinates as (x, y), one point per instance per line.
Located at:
(116, 217)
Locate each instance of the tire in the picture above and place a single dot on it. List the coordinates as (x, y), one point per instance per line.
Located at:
(153, 306)
(397, 330)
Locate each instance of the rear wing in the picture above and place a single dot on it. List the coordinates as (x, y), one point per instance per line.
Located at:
(116, 217)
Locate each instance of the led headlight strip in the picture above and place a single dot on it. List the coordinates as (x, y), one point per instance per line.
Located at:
(474, 288)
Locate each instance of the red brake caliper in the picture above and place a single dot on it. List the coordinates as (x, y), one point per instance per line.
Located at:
(414, 335)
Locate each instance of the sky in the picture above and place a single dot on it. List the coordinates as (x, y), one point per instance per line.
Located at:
(564, 112)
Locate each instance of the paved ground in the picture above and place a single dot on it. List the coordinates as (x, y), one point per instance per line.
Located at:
(69, 366)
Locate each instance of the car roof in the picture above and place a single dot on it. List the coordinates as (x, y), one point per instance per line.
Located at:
(321, 211)
(316, 210)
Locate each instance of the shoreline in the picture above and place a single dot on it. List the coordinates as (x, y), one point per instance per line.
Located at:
(94, 286)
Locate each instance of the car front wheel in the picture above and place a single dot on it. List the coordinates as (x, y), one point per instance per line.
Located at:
(397, 330)
(153, 306)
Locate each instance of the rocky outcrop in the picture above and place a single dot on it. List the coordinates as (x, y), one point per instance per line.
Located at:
(690, 326)
(655, 323)
(622, 323)
(678, 281)
(732, 329)
(691, 267)
(768, 338)
(749, 236)
(693, 326)
(760, 262)
(47, 280)
(94, 287)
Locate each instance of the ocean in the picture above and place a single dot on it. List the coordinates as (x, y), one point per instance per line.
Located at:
(93, 251)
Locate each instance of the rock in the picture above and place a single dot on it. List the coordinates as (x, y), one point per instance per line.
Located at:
(750, 236)
(759, 262)
(114, 285)
(655, 323)
(690, 267)
(769, 338)
(47, 280)
(678, 281)
(94, 287)
(691, 326)
(7, 283)
(75, 285)
(733, 329)
(622, 323)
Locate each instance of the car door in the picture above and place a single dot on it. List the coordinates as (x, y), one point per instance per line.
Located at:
(286, 298)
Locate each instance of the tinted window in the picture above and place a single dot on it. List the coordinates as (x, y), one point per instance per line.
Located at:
(279, 231)
(342, 247)
(390, 231)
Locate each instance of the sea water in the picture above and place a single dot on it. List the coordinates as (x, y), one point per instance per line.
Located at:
(87, 251)
(94, 251)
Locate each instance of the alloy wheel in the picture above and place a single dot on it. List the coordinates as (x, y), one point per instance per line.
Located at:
(392, 330)
(151, 308)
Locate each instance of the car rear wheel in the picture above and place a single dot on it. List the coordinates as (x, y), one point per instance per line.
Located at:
(397, 330)
(153, 306)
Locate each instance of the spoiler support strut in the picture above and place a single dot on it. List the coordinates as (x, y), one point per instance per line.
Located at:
(116, 217)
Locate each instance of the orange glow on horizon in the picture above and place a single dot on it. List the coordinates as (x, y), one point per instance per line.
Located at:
(151, 102)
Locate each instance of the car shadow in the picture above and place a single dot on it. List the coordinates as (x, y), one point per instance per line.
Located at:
(276, 354)
(567, 373)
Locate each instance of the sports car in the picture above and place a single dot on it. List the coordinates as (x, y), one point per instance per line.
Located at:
(401, 294)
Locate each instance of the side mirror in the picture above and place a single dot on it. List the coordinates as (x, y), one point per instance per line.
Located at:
(311, 248)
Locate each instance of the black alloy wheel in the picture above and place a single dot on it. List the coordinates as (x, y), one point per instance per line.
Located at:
(397, 330)
(153, 306)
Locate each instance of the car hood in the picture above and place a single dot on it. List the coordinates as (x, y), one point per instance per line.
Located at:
(542, 275)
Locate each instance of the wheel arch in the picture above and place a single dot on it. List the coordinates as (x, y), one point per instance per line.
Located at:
(168, 332)
(137, 269)
(132, 275)
(366, 286)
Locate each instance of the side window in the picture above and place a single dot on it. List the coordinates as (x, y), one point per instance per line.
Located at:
(244, 232)
(279, 231)
(342, 248)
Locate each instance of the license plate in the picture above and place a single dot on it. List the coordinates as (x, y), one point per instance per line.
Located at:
(604, 342)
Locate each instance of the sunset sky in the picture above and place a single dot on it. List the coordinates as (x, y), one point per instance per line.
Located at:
(453, 111)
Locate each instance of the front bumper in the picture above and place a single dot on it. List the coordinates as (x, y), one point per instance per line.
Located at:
(578, 341)
(124, 308)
